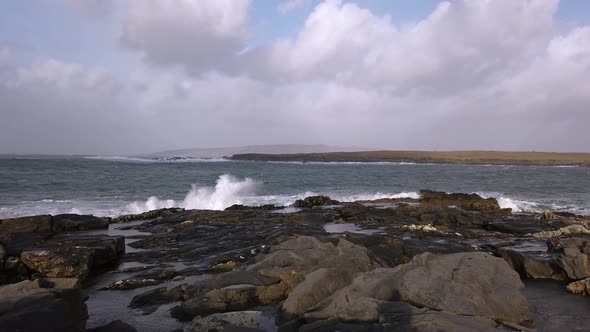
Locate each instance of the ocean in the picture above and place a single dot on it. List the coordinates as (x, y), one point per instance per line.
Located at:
(112, 186)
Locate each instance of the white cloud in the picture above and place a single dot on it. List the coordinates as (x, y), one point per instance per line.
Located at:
(194, 33)
(471, 75)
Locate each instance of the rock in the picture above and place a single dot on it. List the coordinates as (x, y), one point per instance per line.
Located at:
(74, 257)
(567, 230)
(31, 224)
(148, 215)
(474, 284)
(148, 278)
(39, 306)
(75, 222)
(313, 201)
(531, 260)
(236, 321)
(472, 202)
(401, 316)
(149, 301)
(317, 285)
(580, 287)
(573, 256)
(225, 266)
(3, 256)
(114, 326)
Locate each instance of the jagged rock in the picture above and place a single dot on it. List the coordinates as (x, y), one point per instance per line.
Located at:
(114, 326)
(573, 256)
(42, 305)
(31, 224)
(235, 321)
(466, 201)
(567, 230)
(475, 284)
(271, 278)
(313, 201)
(530, 261)
(74, 256)
(75, 222)
(148, 215)
(580, 287)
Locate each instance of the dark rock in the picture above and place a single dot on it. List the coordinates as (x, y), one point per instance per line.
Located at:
(75, 222)
(39, 306)
(33, 224)
(149, 278)
(149, 301)
(471, 202)
(313, 201)
(229, 321)
(532, 260)
(114, 326)
(148, 215)
(67, 257)
(266, 207)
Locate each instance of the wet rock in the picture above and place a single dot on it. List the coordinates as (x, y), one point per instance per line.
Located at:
(149, 278)
(472, 202)
(149, 301)
(40, 305)
(229, 321)
(531, 260)
(33, 224)
(266, 207)
(573, 256)
(114, 326)
(75, 222)
(474, 284)
(313, 201)
(148, 215)
(3, 256)
(78, 257)
(225, 266)
(580, 287)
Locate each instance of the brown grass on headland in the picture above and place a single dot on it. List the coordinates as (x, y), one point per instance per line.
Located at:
(443, 157)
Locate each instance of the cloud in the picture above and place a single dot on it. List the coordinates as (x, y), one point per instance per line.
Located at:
(194, 33)
(471, 75)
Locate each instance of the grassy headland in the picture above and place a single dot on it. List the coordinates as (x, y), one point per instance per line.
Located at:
(443, 157)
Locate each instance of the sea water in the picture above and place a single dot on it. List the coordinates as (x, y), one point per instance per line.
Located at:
(112, 186)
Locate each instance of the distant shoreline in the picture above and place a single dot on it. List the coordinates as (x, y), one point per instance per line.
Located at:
(431, 157)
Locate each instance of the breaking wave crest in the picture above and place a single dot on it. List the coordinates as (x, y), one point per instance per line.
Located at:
(228, 191)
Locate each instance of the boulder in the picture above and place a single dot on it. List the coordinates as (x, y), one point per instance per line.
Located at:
(42, 305)
(472, 202)
(75, 222)
(74, 257)
(531, 260)
(33, 224)
(313, 201)
(573, 256)
(317, 285)
(234, 321)
(401, 316)
(474, 284)
(580, 287)
(114, 326)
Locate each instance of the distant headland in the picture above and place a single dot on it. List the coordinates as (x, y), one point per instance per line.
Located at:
(435, 157)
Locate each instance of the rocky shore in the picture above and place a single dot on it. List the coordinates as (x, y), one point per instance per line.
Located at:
(442, 262)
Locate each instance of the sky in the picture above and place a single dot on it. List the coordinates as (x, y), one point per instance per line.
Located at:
(128, 77)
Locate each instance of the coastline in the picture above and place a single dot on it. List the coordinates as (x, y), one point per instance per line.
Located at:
(431, 157)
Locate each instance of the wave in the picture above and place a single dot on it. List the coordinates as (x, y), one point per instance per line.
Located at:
(228, 191)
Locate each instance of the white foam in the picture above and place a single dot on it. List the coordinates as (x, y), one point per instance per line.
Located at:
(228, 191)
